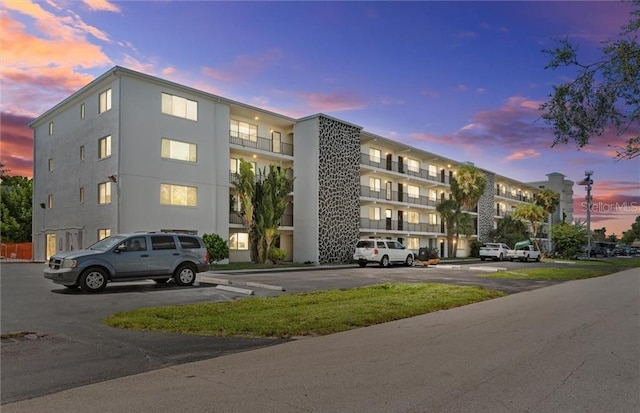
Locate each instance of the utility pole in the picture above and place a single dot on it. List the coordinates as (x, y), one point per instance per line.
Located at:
(589, 182)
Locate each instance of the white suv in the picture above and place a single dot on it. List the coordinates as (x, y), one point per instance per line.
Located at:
(382, 251)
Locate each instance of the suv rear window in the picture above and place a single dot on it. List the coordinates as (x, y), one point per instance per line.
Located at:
(189, 243)
(162, 242)
(365, 244)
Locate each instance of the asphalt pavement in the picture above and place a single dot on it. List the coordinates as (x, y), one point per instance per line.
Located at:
(569, 347)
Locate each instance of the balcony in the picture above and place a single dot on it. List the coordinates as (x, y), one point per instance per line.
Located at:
(263, 144)
(509, 195)
(396, 196)
(402, 168)
(393, 225)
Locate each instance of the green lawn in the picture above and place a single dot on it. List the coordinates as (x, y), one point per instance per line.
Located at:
(556, 273)
(309, 314)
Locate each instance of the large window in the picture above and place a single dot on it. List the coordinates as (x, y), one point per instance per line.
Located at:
(374, 155)
(413, 243)
(178, 195)
(243, 130)
(104, 101)
(178, 106)
(181, 151)
(374, 213)
(413, 217)
(104, 193)
(413, 191)
(374, 184)
(104, 233)
(239, 241)
(104, 147)
(433, 170)
(234, 166)
(433, 219)
(413, 165)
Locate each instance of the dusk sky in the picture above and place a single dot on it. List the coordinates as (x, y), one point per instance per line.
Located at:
(461, 79)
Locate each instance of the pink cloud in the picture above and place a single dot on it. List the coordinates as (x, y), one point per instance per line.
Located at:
(102, 5)
(16, 144)
(523, 154)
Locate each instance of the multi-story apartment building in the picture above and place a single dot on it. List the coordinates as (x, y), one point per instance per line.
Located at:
(132, 152)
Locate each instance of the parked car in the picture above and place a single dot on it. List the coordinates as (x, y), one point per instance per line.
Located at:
(524, 251)
(159, 256)
(382, 251)
(494, 250)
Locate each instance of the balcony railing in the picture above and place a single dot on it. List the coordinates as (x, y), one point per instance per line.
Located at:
(394, 225)
(402, 168)
(285, 221)
(369, 192)
(517, 197)
(258, 142)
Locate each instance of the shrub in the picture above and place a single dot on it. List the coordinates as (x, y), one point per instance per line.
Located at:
(277, 255)
(217, 248)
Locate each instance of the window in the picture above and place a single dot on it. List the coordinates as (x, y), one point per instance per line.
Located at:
(104, 233)
(433, 219)
(234, 166)
(239, 241)
(234, 203)
(433, 195)
(50, 164)
(178, 106)
(82, 153)
(188, 243)
(104, 193)
(374, 213)
(413, 243)
(162, 242)
(433, 170)
(181, 151)
(82, 111)
(50, 128)
(374, 155)
(82, 195)
(50, 201)
(413, 217)
(374, 184)
(413, 165)
(104, 101)
(104, 147)
(178, 195)
(413, 191)
(243, 130)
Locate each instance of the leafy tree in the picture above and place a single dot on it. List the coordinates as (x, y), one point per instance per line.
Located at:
(632, 234)
(569, 239)
(599, 234)
(548, 200)
(605, 94)
(245, 183)
(217, 247)
(509, 231)
(16, 195)
(534, 214)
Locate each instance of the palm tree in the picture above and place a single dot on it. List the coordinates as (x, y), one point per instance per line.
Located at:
(449, 210)
(533, 214)
(468, 186)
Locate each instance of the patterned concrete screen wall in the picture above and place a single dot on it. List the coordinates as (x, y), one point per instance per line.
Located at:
(339, 190)
(486, 209)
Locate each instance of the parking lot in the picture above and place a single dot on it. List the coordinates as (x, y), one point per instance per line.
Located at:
(53, 339)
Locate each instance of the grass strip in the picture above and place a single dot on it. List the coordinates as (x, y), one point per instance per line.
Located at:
(307, 314)
(547, 273)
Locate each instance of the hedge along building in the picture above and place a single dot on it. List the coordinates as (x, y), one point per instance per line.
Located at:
(132, 152)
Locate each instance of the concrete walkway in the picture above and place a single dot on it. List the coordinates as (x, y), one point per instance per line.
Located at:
(572, 347)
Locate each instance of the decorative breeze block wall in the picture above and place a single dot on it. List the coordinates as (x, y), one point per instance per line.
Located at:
(486, 208)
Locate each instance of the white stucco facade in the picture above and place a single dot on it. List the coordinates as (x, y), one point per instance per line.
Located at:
(335, 193)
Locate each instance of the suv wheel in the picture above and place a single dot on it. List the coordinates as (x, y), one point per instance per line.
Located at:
(384, 262)
(409, 261)
(185, 275)
(362, 263)
(93, 280)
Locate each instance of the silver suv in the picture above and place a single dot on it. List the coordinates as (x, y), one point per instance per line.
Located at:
(382, 251)
(159, 256)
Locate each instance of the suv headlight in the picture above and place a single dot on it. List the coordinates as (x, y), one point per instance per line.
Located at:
(69, 264)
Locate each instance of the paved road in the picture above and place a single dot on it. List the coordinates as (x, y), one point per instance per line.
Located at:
(571, 347)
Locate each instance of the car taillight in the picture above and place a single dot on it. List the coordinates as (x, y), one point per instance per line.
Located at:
(375, 251)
